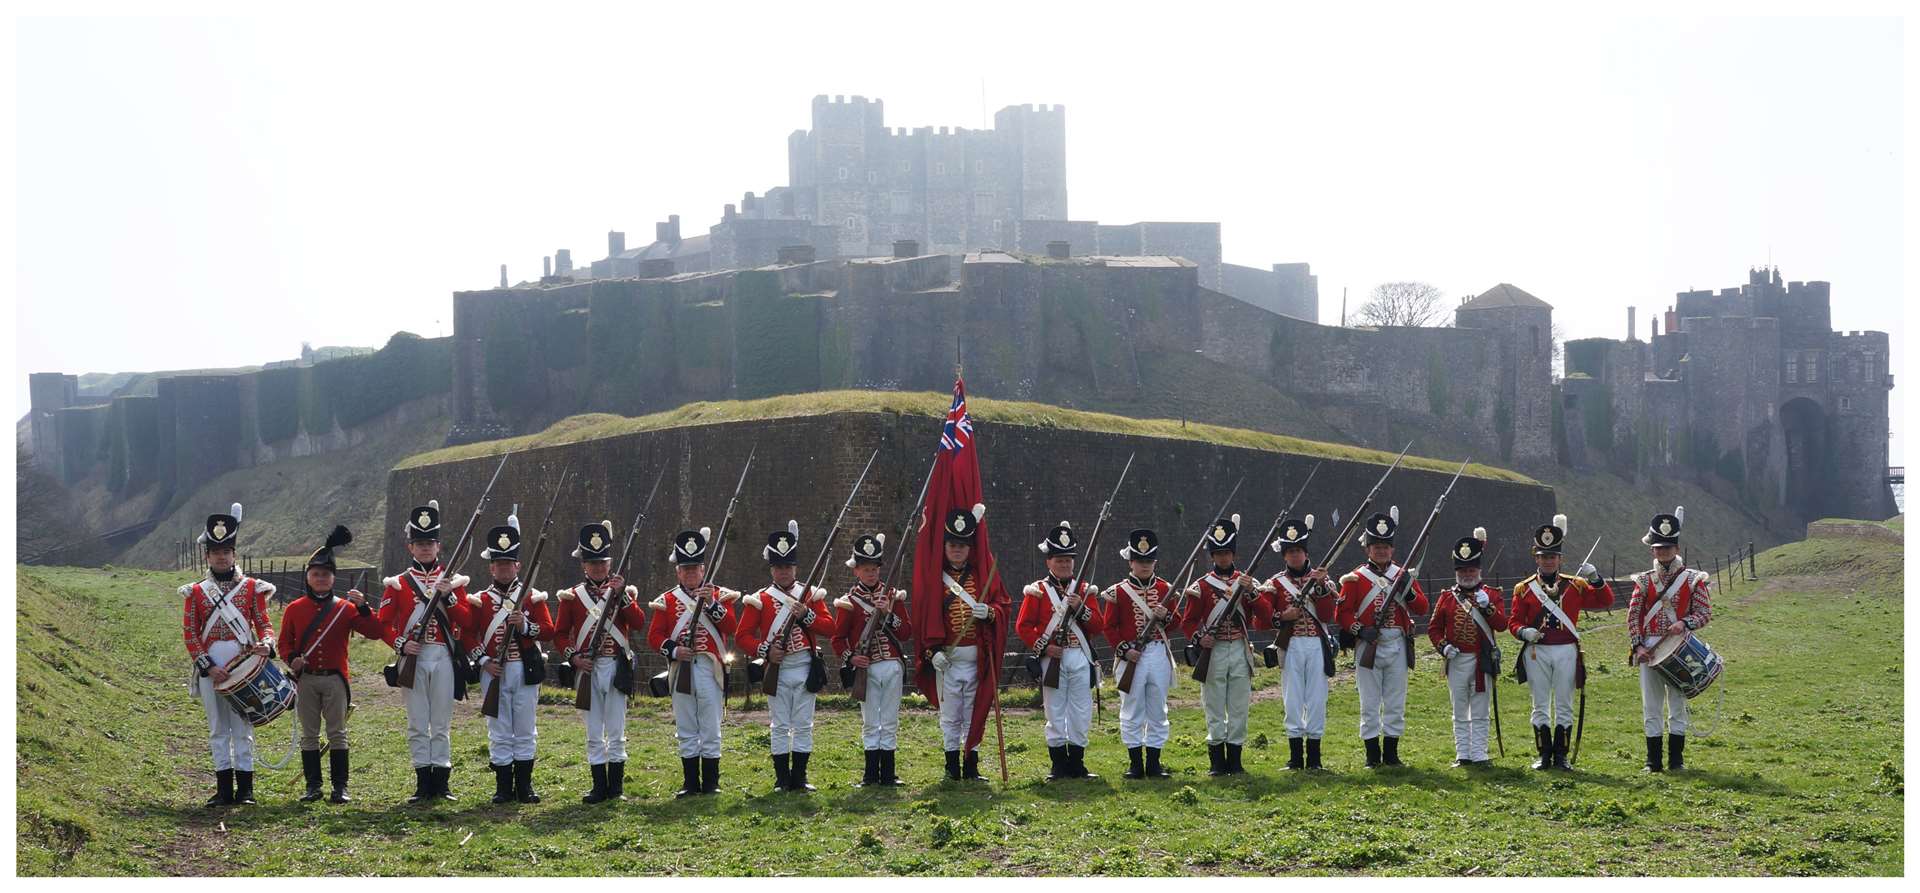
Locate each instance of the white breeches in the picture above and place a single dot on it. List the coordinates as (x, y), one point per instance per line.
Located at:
(1229, 687)
(696, 717)
(959, 685)
(1304, 689)
(1383, 689)
(790, 710)
(1143, 712)
(1471, 716)
(229, 735)
(1660, 700)
(1069, 708)
(430, 708)
(880, 712)
(606, 716)
(1550, 676)
(510, 735)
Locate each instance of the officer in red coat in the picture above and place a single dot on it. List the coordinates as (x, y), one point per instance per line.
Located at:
(1465, 619)
(223, 617)
(1545, 616)
(317, 627)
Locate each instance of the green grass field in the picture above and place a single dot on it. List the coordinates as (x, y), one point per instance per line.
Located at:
(1796, 777)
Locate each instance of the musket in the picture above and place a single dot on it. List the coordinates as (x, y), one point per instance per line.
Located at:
(407, 662)
(683, 680)
(1353, 523)
(490, 705)
(858, 689)
(770, 677)
(1125, 673)
(1404, 581)
(1203, 659)
(610, 604)
(1051, 677)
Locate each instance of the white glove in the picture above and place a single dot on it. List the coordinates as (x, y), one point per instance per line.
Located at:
(940, 661)
(1480, 599)
(981, 611)
(1448, 651)
(1530, 634)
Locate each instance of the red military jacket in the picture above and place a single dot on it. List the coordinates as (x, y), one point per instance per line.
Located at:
(1210, 589)
(399, 599)
(571, 628)
(339, 619)
(1325, 607)
(1125, 623)
(249, 596)
(850, 622)
(759, 610)
(484, 605)
(1355, 586)
(1036, 611)
(962, 629)
(1689, 602)
(1573, 595)
(1452, 622)
(666, 615)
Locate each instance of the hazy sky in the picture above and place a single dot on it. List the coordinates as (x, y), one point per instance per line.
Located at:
(197, 192)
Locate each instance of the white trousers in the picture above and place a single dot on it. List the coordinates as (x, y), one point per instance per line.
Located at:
(1550, 672)
(696, 717)
(959, 685)
(510, 735)
(1069, 708)
(880, 712)
(1229, 687)
(229, 735)
(1660, 700)
(1143, 712)
(1383, 689)
(790, 710)
(1303, 689)
(430, 708)
(606, 716)
(1471, 716)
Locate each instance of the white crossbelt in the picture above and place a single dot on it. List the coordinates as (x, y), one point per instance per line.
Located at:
(224, 611)
(594, 610)
(1059, 614)
(1381, 586)
(1553, 607)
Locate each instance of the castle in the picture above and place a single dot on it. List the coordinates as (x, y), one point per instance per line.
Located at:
(1749, 388)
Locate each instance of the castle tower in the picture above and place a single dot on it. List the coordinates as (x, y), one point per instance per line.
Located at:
(832, 164)
(1523, 410)
(1033, 161)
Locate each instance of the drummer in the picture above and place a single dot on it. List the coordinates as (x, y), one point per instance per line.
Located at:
(1669, 600)
(224, 616)
(317, 628)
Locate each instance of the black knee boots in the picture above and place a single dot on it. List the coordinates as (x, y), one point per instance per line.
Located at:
(337, 775)
(1653, 754)
(1296, 753)
(709, 775)
(222, 788)
(1136, 764)
(1543, 744)
(1373, 752)
(422, 784)
(523, 781)
(970, 767)
(1313, 753)
(797, 777)
(689, 777)
(310, 765)
(1562, 739)
(871, 773)
(1390, 751)
(599, 791)
(1676, 753)
(887, 774)
(502, 783)
(953, 765)
(1154, 769)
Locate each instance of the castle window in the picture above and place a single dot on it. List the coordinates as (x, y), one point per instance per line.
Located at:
(940, 167)
(1846, 403)
(853, 222)
(1813, 367)
(873, 176)
(843, 173)
(1793, 368)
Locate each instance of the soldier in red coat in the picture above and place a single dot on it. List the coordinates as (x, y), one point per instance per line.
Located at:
(1304, 609)
(1058, 617)
(1465, 618)
(973, 618)
(1138, 610)
(781, 625)
(424, 609)
(1545, 616)
(1385, 632)
(597, 618)
(690, 623)
(1668, 601)
(509, 621)
(1217, 622)
(876, 644)
(317, 627)
(223, 617)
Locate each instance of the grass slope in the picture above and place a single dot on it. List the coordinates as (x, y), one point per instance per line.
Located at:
(1596, 501)
(291, 504)
(1795, 778)
(1011, 412)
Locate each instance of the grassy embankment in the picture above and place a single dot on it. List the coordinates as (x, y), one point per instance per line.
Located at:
(1801, 773)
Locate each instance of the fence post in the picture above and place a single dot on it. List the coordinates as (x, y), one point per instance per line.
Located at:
(1751, 573)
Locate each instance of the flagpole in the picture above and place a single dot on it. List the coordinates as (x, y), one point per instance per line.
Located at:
(999, 730)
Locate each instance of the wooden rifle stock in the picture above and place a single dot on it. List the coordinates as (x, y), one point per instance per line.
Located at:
(583, 679)
(770, 677)
(1125, 682)
(1051, 677)
(858, 690)
(1404, 580)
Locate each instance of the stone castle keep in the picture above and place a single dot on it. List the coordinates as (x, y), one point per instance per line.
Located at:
(892, 253)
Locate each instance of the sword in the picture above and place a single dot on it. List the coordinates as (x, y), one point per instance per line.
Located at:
(1580, 652)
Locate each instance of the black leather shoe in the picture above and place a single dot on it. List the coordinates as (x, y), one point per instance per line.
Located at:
(970, 767)
(1056, 762)
(1562, 737)
(1078, 753)
(222, 788)
(709, 775)
(1216, 759)
(887, 774)
(1154, 769)
(870, 772)
(243, 787)
(1233, 760)
(689, 777)
(953, 765)
(444, 783)
(1313, 754)
(782, 771)
(1543, 743)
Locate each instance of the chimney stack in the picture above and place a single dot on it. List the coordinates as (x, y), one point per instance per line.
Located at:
(503, 275)
(616, 243)
(546, 267)
(1632, 330)
(1059, 250)
(668, 232)
(906, 248)
(563, 261)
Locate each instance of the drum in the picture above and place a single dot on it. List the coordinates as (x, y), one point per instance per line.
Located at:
(1687, 662)
(257, 689)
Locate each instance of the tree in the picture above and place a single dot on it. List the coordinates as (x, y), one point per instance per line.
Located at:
(1403, 304)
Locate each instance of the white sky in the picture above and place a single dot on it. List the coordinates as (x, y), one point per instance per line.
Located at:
(333, 180)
